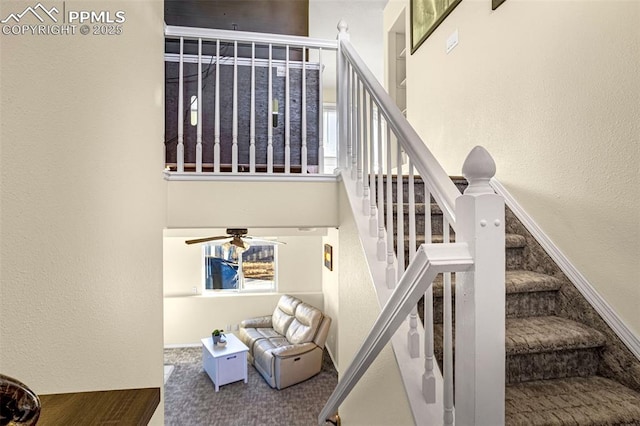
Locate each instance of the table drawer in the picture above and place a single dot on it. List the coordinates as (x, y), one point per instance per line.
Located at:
(231, 368)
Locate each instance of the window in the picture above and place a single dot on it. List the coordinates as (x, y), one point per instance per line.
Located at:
(230, 268)
(330, 121)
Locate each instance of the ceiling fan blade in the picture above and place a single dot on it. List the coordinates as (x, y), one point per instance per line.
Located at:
(204, 240)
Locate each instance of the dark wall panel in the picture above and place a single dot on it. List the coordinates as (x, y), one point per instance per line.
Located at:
(244, 110)
(265, 16)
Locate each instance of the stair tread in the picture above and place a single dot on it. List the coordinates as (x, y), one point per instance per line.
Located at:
(547, 334)
(521, 281)
(516, 281)
(592, 400)
(511, 240)
(419, 208)
(530, 335)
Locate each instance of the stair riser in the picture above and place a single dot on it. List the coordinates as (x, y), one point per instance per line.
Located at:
(518, 305)
(418, 189)
(513, 256)
(552, 365)
(436, 223)
(533, 304)
(540, 366)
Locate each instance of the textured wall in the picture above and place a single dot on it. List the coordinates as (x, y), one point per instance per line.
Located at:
(83, 205)
(331, 291)
(192, 318)
(379, 398)
(551, 89)
(299, 263)
(252, 204)
(364, 18)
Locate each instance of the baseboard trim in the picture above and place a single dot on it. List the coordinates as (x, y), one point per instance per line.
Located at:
(580, 281)
(333, 360)
(183, 345)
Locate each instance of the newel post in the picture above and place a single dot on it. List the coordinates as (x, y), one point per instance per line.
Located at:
(480, 298)
(342, 76)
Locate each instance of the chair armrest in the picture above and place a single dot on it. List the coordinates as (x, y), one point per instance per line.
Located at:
(293, 350)
(259, 322)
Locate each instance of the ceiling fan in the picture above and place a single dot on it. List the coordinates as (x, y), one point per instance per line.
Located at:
(236, 237)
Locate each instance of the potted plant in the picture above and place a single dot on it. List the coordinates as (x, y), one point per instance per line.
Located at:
(217, 336)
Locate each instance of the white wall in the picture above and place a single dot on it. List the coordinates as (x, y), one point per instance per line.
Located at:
(364, 18)
(189, 318)
(379, 398)
(331, 292)
(299, 261)
(83, 205)
(551, 89)
(252, 204)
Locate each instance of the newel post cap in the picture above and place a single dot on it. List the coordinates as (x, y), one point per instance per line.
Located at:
(343, 30)
(478, 169)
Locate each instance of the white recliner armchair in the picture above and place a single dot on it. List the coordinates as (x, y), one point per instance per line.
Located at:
(286, 347)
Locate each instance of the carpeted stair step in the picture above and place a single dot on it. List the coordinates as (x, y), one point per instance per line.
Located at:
(550, 347)
(540, 348)
(436, 217)
(583, 401)
(528, 294)
(514, 245)
(459, 182)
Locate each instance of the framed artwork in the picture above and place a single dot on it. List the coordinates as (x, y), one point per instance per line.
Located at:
(426, 15)
(496, 3)
(328, 257)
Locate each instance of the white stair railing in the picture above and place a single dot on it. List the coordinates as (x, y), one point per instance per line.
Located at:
(477, 256)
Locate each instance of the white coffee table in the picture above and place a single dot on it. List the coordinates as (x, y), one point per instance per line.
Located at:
(225, 364)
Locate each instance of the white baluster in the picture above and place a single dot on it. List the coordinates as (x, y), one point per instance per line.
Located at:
(234, 131)
(342, 72)
(400, 214)
(448, 415)
(180, 147)
(320, 115)
(287, 117)
(412, 211)
(480, 343)
(391, 271)
(270, 117)
(199, 105)
(252, 129)
(366, 205)
(413, 337)
(359, 149)
(216, 132)
(428, 378)
(354, 127)
(382, 247)
(373, 209)
(303, 151)
(350, 141)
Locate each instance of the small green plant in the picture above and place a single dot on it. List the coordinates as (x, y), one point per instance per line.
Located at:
(216, 332)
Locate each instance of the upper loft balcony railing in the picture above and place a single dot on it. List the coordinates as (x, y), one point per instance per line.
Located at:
(242, 103)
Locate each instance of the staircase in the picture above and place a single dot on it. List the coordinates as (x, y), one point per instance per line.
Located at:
(558, 370)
